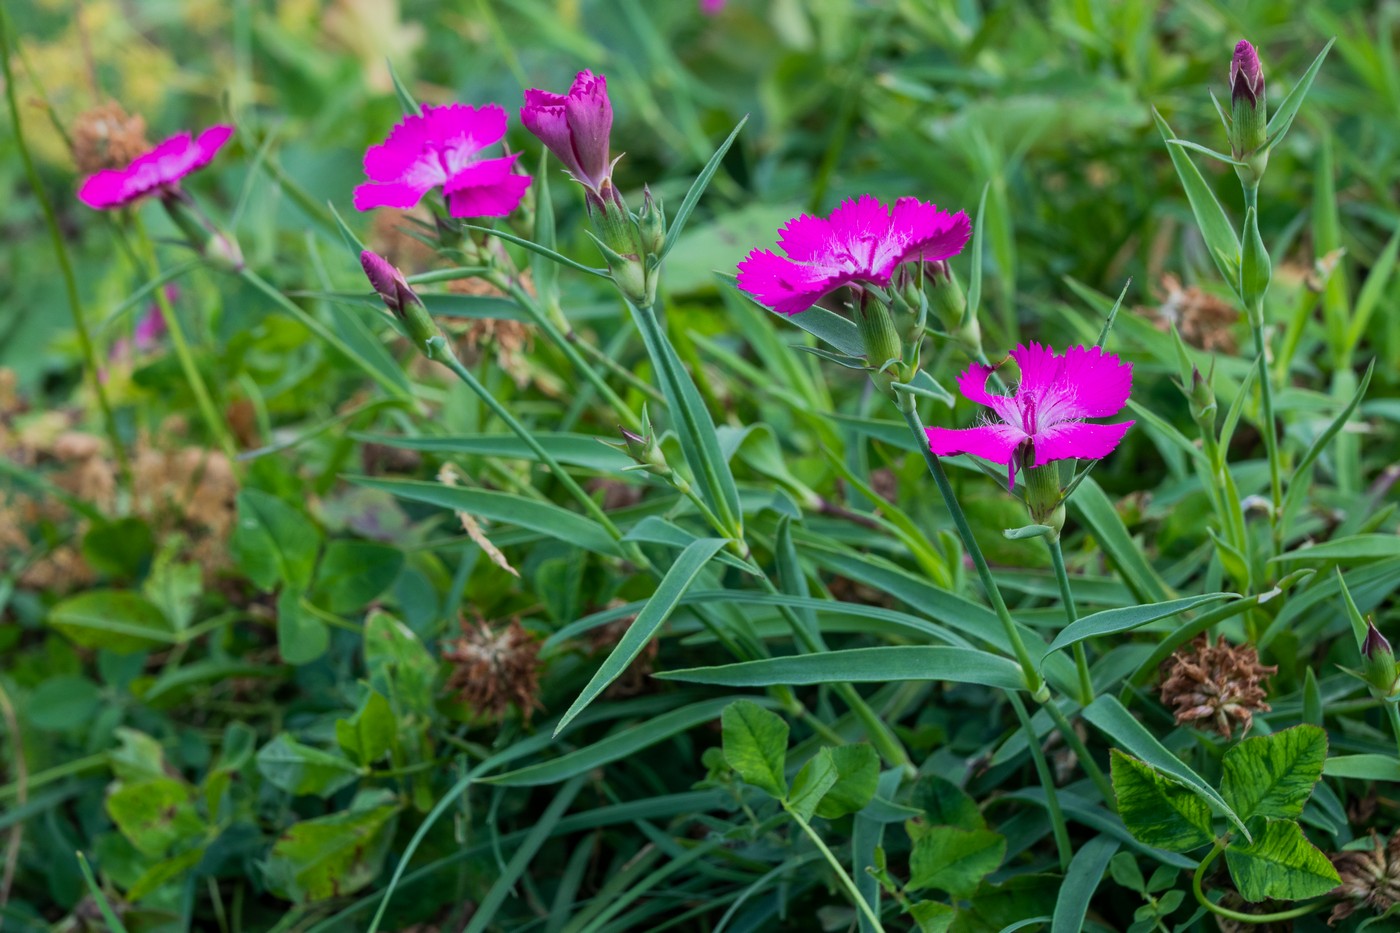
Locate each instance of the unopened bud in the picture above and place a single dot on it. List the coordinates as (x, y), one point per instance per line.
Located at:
(1380, 668)
(1249, 113)
(651, 224)
(949, 303)
(644, 448)
(880, 339)
(620, 242)
(1044, 497)
(401, 300)
(1202, 400)
(220, 248)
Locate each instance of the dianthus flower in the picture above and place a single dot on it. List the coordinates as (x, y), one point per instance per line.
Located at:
(861, 242)
(1043, 420)
(441, 147)
(158, 171)
(575, 127)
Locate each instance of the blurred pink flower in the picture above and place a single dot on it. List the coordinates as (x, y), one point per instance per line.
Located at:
(158, 171)
(575, 127)
(441, 147)
(711, 7)
(1043, 420)
(862, 241)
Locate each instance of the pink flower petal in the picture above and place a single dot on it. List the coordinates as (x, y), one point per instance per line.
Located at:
(995, 442)
(163, 166)
(210, 142)
(402, 196)
(1085, 382)
(496, 200)
(483, 174)
(930, 234)
(453, 133)
(1071, 440)
(785, 286)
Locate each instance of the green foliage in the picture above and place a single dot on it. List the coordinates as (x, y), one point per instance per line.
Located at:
(1156, 810)
(1281, 864)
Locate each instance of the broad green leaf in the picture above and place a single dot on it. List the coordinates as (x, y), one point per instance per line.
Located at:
(614, 747)
(352, 573)
(120, 548)
(1111, 621)
(114, 620)
(857, 778)
(331, 856)
(811, 784)
(1274, 775)
(371, 732)
(755, 746)
(932, 916)
(863, 665)
(1081, 881)
(1108, 715)
(301, 636)
(1281, 864)
(162, 873)
(657, 610)
(273, 541)
(1156, 810)
(139, 757)
(946, 804)
(545, 518)
(63, 703)
(155, 814)
(300, 769)
(399, 666)
(954, 860)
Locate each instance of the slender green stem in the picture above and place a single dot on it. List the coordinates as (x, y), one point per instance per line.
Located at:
(1300, 911)
(217, 426)
(845, 878)
(1392, 712)
(65, 263)
(622, 372)
(1270, 432)
(1034, 682)
(57, 772)
(1081, 660)
(1042, 770)
(1081, 751)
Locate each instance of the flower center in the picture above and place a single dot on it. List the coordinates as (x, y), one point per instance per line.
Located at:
(1028, 415)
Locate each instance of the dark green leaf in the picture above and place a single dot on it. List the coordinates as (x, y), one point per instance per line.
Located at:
(755, 746)
(1274, 775)
(300, 769)
(115, 620)
(954, 860)
(331, 856)
(1156, 810)
(1111, 621)
(1281, 864)
(811, 784)
(863, 665)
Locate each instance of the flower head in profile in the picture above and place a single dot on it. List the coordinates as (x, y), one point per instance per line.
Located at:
(575, 127)
(441, 147)
(862, 241)
(1246, 74)
(156, 172)
(1043, 419)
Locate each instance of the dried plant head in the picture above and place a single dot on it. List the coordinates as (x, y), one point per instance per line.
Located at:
(108, 137)
(494, 669)
(1203, 320)
(1370, 878)
(1215, 685)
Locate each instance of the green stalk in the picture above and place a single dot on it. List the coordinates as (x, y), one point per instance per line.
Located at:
(1034, 682)
(841, 873)
(217, 427)
(1081, 659)
(1300, 911)
(1042, 770)
(1081, 751)
(65, 263)
(1270, 432)
(1393, 714)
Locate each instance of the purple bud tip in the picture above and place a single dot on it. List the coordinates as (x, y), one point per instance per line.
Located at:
(387, 281)
(632, 438)
(1246, 74)
(1375, 643)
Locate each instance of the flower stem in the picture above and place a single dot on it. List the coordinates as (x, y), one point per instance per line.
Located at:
(1042, 770)
(1081, 660)
(1034, 682)
(1300, 911)
(1393, 714)
(65, 263)
(1270, 432)
(218, 428)
(845, 878)
(1081, 751)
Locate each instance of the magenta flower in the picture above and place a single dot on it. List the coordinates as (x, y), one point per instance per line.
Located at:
(1044, 420)
(441, 147)
(1246, 74)
(862, 241)
(158, 171)
(575, 127)
(711, 7)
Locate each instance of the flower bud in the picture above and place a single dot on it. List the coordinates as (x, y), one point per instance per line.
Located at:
(620, 240)
(1248, 112)
(1202, 400)
(949, 302)
(644, 448)
(401, 300)
(1380, 670)
(220, 248)
(878, 334)
(1044, 497)
(651, 224)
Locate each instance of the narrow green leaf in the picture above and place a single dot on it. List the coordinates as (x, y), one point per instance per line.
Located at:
(1350, 548)
(656, 611)
(582, 450)
(755, 746)
(697, 188)
(1112, 315)
(1298, 486)
(1197, 147)
(1158, 811)
(974, 284)
(539, 250)
(954, 860)
(1111, 621)
(1255, 268)
(1109, 716)
(1081, 881)
(863, 665)
(406, 99)
(1274, 775)
(352, 242)
(811, 784)
(1219, 234)
(1096, 511)
(104, 906)
(1281, 864)
(1282, 119)
(545, 518)
(1363, 768)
